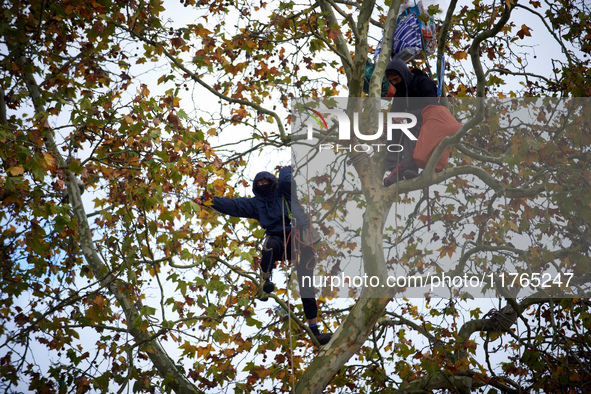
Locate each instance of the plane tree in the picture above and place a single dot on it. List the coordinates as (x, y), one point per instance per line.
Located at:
(116, 114)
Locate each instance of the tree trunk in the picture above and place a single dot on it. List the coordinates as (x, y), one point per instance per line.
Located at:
(354, 331)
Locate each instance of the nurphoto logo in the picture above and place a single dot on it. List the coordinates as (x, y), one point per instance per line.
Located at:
(402, 121)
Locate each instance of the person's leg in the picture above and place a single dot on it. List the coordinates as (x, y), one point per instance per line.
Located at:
(272, 251)
(394, 159)
(305, 272)
(411, 170)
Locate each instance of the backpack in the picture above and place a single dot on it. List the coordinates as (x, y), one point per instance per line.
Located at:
(415, 32)
(387, 89)
(438, 123)
(407, 42)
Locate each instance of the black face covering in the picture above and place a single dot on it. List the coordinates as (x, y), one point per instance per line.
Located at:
(264, 191)
(267, 189)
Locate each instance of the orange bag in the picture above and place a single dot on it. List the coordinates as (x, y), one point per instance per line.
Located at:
(438, 123)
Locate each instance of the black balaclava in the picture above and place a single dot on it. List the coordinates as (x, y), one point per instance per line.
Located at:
(401, 68)
(264, 191)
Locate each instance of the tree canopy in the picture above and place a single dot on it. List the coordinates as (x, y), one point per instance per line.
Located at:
(116, 114)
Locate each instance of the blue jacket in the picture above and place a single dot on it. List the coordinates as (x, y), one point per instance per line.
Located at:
(267, 206)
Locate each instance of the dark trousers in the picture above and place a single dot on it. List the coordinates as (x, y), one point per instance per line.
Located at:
(274, 249)
(404, 158)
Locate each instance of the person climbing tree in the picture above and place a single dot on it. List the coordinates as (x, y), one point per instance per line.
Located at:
(272, 207)
(414, 91)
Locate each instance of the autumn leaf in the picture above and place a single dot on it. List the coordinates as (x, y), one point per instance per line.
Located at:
(333, 34)
(188, 348)
(525, 31)
(219, 185)
(174, 120)
(99, 301)
(513, 226)
(446, 250)
(202, 32)
(177, 42)
(217, 162)
(531, 156)
(203, 351)
(49, 159)
(15, 171)
(460, 55)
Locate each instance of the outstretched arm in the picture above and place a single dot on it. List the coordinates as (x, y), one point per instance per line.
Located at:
(242, 207)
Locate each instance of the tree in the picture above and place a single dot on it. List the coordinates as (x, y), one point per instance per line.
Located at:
(119, 280)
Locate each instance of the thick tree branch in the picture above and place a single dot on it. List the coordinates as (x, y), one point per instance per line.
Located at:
(157, 354)
(475, 49)
(3, 119)
(426, 179)
(353, 332)
(341, 43)
(375, 85)
(444, 32)
(348, 17)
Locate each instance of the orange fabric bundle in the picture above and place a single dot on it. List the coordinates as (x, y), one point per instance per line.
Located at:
(438, 123)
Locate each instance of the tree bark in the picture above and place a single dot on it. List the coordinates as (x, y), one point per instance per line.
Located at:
(354, 331)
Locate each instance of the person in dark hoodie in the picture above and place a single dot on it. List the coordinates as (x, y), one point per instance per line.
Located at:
(272, 207)
(414, 91)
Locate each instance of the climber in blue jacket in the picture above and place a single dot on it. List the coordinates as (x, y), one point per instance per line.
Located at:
(272, 207)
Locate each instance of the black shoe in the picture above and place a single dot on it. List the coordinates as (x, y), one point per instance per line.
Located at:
(323, 339)
(393, 176)
(268, 286)
(410, 174)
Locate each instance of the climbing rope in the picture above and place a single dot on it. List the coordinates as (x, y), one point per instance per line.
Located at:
(285, 245)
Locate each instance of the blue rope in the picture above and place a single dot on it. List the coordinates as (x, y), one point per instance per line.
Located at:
(440, 74)
(425, 51)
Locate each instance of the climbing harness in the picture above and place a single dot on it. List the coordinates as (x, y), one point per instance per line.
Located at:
(298, 238)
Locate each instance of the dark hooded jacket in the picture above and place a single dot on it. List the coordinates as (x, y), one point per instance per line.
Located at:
(267, 205)
(415, 92)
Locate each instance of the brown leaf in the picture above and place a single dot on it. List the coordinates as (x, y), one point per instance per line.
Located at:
(460, 55)
(177, 42)
(174, 120)
(530, 156)
(333, 34)
(525, 31)
(99, 301)
(217, 163)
